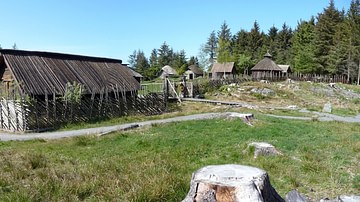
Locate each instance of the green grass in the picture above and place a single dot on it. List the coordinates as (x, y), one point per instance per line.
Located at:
(155, 164)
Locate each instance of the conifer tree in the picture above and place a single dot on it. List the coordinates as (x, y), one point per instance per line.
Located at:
(211, 47)
(303, 47)
(327, 24)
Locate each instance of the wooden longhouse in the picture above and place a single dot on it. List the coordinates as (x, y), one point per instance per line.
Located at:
(46, 89)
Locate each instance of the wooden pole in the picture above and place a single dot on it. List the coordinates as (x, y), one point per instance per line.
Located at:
(358, 80)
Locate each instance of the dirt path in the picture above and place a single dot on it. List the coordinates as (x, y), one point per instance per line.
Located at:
(109, 129)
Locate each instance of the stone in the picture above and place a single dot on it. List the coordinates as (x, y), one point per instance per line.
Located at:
(263, 91)
(231, 182)
(246, 118)
(353, 198)
(294, 196)
(327, 108)
(263, 149)
(343, 198)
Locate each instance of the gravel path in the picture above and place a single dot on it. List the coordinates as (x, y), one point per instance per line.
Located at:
(322, 117)
(102, 130)
(109, 129)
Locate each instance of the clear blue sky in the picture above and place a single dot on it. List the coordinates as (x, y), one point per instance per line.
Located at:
(115, 28)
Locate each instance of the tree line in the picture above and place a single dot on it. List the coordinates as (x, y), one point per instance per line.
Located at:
(328, 43)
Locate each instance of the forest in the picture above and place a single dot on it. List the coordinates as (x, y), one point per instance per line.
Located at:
(327, 43)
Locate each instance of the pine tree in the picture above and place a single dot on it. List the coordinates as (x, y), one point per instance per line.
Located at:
(153, 58)
(241, 43)
(179, 62)
(211, 46)
(193, 61)
(224, 33)
(283, 41)
(255, 42)
(224, 51)
(165, 55)
(325, 30)
(271, 41)
(303, 47)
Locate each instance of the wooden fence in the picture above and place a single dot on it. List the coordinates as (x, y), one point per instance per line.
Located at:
(303, 77)
(39, 113)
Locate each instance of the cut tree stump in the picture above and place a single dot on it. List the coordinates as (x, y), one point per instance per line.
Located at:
(262, 148)
(231, 183)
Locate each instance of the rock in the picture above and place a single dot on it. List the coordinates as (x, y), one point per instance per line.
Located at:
(327, 108)
(289, 81)
(263, 91)
(262, 148)
(353, 198)
(264, 81)
(246, 118)
(231, 182)
(291, 107)
(294, 196)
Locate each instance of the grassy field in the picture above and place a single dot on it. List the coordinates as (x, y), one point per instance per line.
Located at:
(320, 159)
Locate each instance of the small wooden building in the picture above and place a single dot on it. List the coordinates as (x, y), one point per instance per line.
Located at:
(286, 70)
(224, 70)
(266, 69)
(167, 70)
(193, 71)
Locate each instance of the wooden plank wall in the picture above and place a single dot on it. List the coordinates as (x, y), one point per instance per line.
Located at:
(37, 114)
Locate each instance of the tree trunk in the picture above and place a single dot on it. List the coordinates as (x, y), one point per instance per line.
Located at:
(231, 183)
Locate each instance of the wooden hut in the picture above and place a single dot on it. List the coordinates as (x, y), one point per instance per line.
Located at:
(167, 70)
(224, 70)
(266, 69)
(45, 89)
(193, 71)
(286, 70)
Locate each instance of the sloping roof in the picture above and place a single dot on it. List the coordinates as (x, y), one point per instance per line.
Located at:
(167, 70)
(223, 67)
(266, 64)
(196, 69)
(285, 68)
(39, 73)
(136, 74)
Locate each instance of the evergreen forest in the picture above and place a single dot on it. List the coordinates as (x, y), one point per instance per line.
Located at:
(328, 43)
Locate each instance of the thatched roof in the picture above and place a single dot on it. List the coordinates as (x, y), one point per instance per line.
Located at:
(135, 73)
(223, 67)
(285, 68)
(40, 73)
(196, 69)
(266, 64)
(167, 70)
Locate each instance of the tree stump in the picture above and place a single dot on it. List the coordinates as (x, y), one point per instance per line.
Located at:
(231, 183)
(262, 148)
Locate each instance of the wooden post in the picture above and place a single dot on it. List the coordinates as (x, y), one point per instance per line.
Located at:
(166, 92)
(358, 79)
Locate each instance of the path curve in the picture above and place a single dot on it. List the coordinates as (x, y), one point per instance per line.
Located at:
(109, 129)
